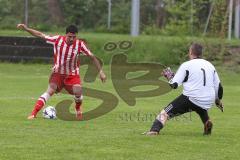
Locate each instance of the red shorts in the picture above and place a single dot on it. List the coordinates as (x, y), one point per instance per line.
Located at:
(64, 81)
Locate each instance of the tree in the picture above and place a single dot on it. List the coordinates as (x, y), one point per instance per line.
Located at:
(55, 11)
(219, 20)
(161, 14)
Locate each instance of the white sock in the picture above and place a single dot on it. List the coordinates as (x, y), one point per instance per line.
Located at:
(44, 97)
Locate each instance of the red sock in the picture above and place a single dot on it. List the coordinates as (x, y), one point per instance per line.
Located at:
(78, 106)
(38, 106)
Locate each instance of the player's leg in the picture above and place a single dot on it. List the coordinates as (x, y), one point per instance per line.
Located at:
(208, 127)
(177, 107)
(77, 91)
(158, 123)
(73, 86)
(43, 99)
(203, 114)
(55, 84)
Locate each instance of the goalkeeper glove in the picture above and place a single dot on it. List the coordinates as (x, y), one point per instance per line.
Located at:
(167, 73)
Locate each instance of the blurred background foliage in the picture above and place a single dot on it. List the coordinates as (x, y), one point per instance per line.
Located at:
(167, 17)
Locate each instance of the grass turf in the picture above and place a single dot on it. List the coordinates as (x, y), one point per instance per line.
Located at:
(116, 135)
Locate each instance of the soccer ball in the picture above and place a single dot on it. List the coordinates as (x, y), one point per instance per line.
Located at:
(49, 112)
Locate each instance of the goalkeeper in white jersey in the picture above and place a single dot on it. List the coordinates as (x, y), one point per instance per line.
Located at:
(201, 88)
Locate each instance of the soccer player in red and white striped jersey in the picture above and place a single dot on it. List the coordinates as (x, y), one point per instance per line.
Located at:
(65, 72)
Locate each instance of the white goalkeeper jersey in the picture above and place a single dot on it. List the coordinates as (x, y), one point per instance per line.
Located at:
(200, 82)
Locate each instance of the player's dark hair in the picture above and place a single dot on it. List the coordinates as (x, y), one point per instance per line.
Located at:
(197, 49)
(71, 29)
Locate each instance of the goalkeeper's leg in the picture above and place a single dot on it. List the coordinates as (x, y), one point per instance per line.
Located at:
(203, 114)
(177, 107)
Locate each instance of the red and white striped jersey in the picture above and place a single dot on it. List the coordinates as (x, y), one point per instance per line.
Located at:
(66, 56)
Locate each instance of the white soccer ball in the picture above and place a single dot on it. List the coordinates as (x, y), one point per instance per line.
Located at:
(49, 112)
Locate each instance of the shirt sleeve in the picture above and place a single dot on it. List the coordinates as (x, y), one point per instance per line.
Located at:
(179, 76)
(84, 50)
(216, 82)
(51, 39)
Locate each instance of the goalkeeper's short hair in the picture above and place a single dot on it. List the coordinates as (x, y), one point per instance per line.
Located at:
(197, 49)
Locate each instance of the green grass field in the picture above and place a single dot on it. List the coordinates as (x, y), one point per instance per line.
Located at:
(111, 136)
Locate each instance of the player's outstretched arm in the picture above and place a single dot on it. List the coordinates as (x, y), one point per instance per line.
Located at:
(103, 77)
(31, 31)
